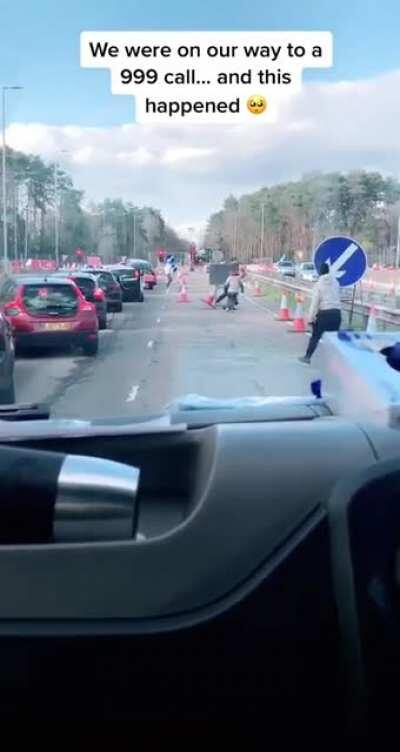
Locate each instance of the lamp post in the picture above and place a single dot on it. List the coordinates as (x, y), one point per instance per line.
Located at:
(397, 263)
(262, 232)
(56, 211)
(4, 90)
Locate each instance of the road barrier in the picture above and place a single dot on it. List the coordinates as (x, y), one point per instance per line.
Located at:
(384, 315)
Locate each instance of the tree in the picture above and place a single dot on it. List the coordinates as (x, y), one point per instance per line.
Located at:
(298, 215)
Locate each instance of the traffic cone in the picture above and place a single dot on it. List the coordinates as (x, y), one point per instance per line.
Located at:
(284, 313)
(209, 300)
(371, 324)
(257, 291)
(183, 296)
(298, 326)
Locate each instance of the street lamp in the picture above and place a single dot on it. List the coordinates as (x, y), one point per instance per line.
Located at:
(4, 89)
(262, 232)
(56, 212)
(397, 261)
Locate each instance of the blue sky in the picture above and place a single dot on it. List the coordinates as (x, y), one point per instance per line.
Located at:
(330, 126)
(39, 45)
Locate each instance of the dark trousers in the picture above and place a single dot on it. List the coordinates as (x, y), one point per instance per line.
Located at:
(326, 321)
(224, 294)
(232, 301)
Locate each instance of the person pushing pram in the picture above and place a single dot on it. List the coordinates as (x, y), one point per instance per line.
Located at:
(233, 285)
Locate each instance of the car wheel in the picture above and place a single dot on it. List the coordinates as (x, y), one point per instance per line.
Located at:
(103, 323)
(91, 348)
(7, 395)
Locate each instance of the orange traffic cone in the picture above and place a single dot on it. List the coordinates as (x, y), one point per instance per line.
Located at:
(284, 313)
(371, 324)
(257, 291)
(209, 300)
(183, 296)
(298, 326)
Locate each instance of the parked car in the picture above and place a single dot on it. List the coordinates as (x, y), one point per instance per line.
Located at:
(111, 287)
(286, 268)
(7, 388)
(130, 282)
(146, 271)
(90, 287)
(307, 271)
(49, 311)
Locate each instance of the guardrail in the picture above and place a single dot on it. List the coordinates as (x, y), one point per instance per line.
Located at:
(388, 316)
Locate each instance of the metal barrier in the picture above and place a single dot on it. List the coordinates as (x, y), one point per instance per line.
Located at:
(388, 316)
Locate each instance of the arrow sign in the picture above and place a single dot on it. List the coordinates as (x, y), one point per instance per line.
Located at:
(346, 258)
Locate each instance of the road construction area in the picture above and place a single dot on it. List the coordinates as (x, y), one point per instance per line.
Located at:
(156, 351)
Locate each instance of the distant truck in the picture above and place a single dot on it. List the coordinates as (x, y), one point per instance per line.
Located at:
(218, 273)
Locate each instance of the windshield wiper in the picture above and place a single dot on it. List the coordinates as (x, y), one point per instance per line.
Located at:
(22, 411)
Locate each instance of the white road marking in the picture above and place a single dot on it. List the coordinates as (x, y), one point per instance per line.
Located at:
(341, 260)
(133, 393)
(150, 343)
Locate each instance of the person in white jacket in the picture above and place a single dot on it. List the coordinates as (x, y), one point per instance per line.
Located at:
(325, 309)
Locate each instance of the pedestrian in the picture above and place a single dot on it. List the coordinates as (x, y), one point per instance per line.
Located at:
(232, 286)
(170, 269)
(325, 310)
(236, 283)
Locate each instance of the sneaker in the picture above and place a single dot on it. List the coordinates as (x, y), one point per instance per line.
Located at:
(304, 359)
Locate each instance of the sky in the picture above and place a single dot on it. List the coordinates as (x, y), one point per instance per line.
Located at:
(345, 117)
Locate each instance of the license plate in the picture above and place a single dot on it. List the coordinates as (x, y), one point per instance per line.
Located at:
(61, 326)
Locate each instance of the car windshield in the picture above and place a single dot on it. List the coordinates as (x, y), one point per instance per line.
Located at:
(85, 284)
(125, 274)
(44, 298)
(163, 147)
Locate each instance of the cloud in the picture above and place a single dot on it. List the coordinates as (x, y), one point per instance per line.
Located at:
(187, 171)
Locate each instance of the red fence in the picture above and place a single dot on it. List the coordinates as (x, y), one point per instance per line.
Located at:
(34, 265)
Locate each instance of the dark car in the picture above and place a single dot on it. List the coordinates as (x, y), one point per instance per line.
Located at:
(49, 311)
(130, 282)
(111, 287)
(146, 271)
(90, 287)
(7, 389)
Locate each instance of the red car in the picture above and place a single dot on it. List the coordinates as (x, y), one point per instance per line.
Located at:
(146, 271)
(47, 311)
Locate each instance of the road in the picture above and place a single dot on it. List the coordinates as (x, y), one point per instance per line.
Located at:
(161, 349)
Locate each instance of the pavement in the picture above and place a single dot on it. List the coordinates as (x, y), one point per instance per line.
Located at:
(156, 351)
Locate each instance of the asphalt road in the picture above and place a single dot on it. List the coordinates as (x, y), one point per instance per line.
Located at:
(156, 351)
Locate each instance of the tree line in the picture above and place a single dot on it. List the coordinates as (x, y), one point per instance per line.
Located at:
(37, 192)
(292, 218)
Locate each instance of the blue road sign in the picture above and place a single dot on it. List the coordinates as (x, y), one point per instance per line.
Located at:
(346, 258)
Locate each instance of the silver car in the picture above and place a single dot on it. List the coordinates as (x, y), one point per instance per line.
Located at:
(308, 272)
(287, 268)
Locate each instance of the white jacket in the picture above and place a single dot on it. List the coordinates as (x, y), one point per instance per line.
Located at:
(233, 283)
(325, 296)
